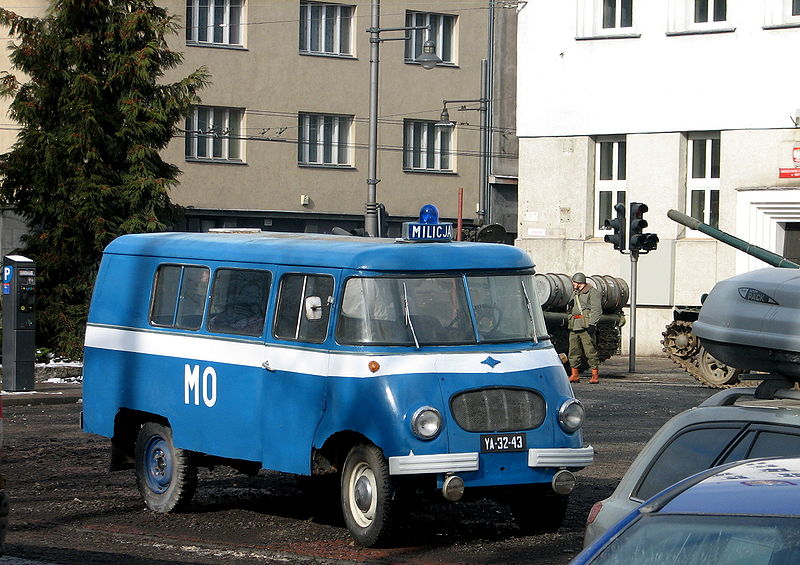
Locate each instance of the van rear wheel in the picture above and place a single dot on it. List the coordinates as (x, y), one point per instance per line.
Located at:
(368, 497)
(166, 477)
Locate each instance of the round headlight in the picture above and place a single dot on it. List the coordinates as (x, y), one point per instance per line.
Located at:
(570, 415)
(426, 422)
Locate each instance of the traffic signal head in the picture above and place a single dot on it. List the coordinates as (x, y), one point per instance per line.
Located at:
(638, 239)
(618, 225)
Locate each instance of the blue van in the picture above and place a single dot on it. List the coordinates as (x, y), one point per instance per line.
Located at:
(396, 365)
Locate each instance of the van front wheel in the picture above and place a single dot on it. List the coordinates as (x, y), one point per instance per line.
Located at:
(166, 476)
(367, 494)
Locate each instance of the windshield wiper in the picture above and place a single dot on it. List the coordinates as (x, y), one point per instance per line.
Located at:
(530, 310)
(407, 313)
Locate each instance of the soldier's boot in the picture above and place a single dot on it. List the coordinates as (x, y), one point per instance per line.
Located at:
(595, 377)
(575, 377)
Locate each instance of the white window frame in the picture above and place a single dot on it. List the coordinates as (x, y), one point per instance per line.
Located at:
(323, 140)
(708, 184)
(427, 148)
(326, 29)
(215, 22)
(442, 32)
(616, 185)
(591, 20)
(682, 17)
(781, 13)
(214, 133)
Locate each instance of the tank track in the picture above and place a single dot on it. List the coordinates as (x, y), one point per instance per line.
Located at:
(685, 350)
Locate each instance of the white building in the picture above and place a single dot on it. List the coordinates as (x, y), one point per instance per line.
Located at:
(690, 105)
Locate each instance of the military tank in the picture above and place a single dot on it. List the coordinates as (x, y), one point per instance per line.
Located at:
(555, 291)
(680, 342)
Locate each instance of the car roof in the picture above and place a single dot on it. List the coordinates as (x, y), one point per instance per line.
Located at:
(755, 487)
(322, 250)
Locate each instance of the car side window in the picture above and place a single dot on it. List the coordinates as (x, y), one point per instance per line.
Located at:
(304, 306)
(179, 296)
(691, 451)
(239, 301)
(770, 444)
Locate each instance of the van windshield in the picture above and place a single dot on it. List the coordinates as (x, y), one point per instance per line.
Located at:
(435, 310)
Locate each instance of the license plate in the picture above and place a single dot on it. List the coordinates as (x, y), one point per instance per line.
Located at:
(494, 443)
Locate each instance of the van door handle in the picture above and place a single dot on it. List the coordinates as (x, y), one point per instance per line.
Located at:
(265, 364)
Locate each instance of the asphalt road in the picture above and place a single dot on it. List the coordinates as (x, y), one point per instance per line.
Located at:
(67, 508)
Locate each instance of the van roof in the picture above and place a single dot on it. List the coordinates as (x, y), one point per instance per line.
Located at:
(322, 250)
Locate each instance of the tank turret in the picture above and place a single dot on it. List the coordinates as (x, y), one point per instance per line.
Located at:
(706, 361)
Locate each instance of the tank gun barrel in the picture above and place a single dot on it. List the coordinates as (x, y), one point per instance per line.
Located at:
(758, 252)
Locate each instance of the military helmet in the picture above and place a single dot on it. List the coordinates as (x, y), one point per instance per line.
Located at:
(579, 278)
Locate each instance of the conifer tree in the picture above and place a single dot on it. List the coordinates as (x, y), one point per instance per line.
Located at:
(94, 113)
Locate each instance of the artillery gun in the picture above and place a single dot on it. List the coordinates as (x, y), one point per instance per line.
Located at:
(555, 291)
(703, 358)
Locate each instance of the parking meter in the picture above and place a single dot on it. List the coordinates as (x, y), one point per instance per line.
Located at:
(19, 323)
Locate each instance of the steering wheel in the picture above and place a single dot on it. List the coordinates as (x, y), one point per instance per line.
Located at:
(488, 317)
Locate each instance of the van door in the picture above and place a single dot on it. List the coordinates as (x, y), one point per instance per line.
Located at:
(296, 368)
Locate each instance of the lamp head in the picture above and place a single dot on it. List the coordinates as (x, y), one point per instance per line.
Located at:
(444, 120)
(428, 58)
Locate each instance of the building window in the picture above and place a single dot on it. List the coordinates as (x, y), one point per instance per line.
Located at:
(698, 16)
(442, 31)
(325, 28)
(702, 184)
(214, 133)
(710, 11)
(781, 12)
(426, 147)
(324, 139)
(609, 178)
(617, 14)
(605, 18)
(216, 22)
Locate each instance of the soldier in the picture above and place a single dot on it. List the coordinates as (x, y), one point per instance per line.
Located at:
(585, 308)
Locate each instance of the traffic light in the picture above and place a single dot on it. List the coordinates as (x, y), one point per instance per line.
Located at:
(640, 241)
(618, 225)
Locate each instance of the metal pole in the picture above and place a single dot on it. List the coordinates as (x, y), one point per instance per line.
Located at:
(371, 208)
(483, 187)
(632, 342)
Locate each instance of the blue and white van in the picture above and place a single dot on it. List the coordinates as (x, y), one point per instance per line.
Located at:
(395, 365)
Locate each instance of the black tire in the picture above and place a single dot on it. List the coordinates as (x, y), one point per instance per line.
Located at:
(166, 477)
(368, 496)
(537, 510)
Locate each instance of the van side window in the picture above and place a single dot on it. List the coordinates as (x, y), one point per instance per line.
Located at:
(304, 306)
(179, 296)
(239, 301)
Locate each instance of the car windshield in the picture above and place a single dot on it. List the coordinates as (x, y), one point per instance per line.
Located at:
(704, 540)
(435, 310)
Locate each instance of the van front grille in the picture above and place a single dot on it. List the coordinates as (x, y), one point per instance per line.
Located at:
(498, 409)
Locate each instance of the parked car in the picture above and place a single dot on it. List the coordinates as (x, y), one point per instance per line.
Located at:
(732, 425)
(746, 512)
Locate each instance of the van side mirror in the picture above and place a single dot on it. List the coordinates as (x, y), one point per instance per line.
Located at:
(313, 308)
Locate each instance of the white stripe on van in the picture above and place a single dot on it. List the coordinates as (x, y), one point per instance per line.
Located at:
(299, 360)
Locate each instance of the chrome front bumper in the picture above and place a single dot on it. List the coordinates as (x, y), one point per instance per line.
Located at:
(557, 457)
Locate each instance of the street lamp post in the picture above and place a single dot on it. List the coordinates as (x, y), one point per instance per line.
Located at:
(444, 121)
(428, 59)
